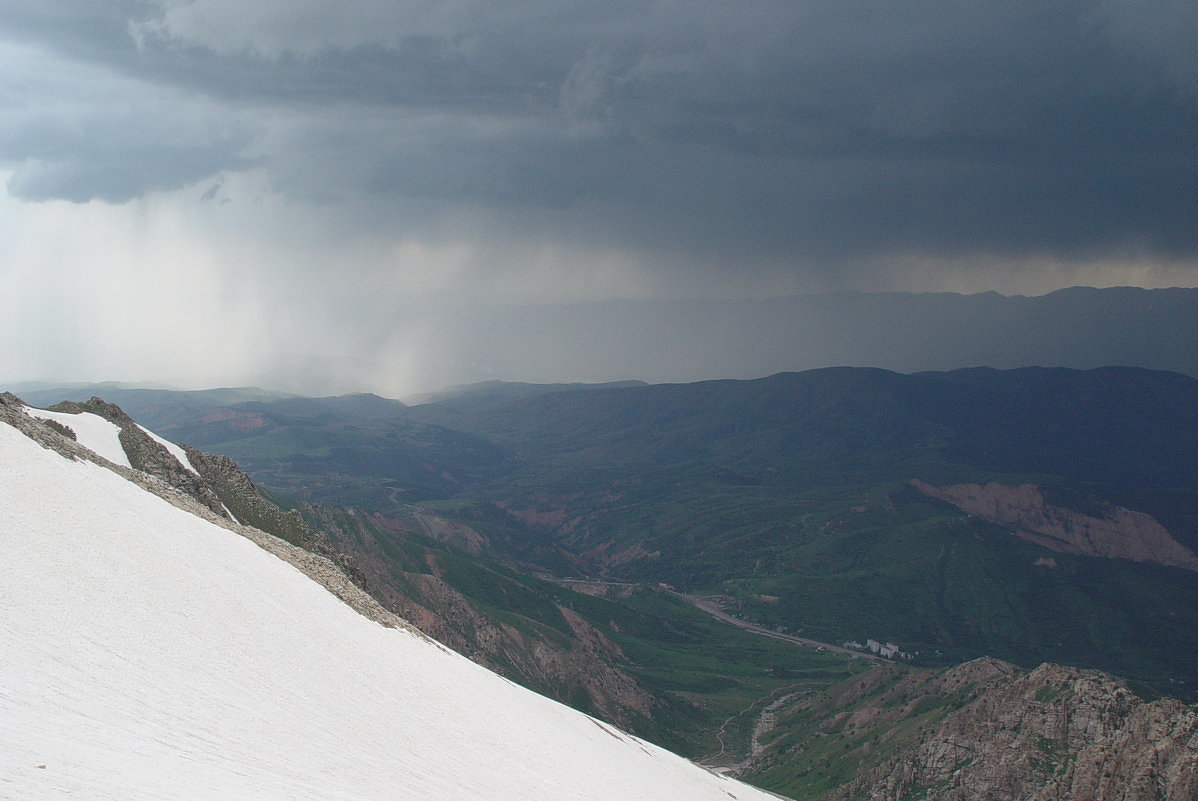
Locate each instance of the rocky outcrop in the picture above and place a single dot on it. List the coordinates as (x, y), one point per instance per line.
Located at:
(147, 454)
(242, 498)
(1108, 531)
(12, 412)
(321, 569)
(214, 481)
(452, 532)
(1052, 734)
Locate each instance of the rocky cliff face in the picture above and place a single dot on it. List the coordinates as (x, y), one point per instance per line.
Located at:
(1112, 533)
(217, 483)
(246, 503)
(984, 731)
(1052, 734)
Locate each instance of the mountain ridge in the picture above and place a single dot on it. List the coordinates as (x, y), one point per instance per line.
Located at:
(1046, 764)
(984, 729)
(796, 487)
(204, 668)
(695, 340)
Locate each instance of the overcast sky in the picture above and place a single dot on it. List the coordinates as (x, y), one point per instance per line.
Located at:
(218, 191)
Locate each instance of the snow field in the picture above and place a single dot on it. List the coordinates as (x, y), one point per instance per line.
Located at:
(103, 436)
(91, 431)
(148, 654)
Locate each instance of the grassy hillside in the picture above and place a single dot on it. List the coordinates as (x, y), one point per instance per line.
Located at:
(794, 488)
(632, 654)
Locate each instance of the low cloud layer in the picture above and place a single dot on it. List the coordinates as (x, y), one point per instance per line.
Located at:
(358, 159)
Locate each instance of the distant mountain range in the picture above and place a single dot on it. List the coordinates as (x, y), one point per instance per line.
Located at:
(696, 340)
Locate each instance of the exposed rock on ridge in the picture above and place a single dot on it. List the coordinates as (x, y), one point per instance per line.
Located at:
(1052, 734)
(424, 599)
(242, 498)
(319, 568)
(146, 454)
(1118, 534)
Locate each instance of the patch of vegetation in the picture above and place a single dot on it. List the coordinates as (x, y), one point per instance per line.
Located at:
(1051, 692)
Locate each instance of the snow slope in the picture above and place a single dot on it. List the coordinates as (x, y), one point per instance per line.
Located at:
(104, 437)
(91, 431)
(148, 654)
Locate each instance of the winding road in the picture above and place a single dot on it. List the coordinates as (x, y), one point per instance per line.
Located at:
(715, 610)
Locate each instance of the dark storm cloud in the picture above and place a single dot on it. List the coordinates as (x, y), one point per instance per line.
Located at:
(75, 129)
(107, 139)
(813, 131)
